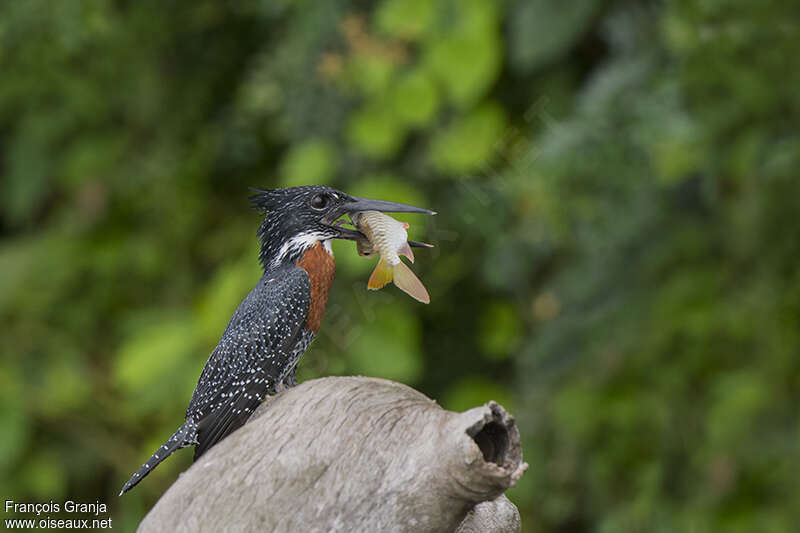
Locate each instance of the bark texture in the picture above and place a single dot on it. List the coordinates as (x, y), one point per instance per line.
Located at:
(496, 516)
(352, 454)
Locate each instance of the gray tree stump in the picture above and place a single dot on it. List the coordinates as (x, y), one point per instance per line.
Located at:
(352, 454)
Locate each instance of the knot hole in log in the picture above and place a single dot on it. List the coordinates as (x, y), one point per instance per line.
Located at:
(493, 436)
(492, 439)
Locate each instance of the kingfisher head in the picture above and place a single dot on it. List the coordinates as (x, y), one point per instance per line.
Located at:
(297, 218)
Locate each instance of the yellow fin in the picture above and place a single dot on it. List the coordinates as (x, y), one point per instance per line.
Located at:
(380, 276)
(409, 283)
(406, 251)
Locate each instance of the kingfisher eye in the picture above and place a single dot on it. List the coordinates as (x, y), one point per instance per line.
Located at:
(320, 201)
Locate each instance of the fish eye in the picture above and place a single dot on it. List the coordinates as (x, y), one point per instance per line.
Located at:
(320, 201)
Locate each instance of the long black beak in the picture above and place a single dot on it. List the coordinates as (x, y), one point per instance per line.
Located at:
(354, 205)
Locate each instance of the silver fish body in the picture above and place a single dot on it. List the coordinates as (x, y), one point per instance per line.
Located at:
(386, 235)
(389, 238)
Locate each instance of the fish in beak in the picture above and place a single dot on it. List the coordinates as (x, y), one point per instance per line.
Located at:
(388, 237)
(354, 205)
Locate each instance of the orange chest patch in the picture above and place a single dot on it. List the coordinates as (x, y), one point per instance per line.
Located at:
(321, 269)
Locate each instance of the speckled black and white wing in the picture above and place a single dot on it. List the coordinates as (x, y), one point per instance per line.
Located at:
(259, 349)
(261, 345)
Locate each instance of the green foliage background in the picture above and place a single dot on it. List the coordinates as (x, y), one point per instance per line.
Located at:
(617, 245)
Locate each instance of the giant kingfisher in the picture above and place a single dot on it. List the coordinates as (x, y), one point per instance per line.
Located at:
(272, 327)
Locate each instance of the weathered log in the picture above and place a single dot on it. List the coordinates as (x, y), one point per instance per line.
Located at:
(352, 454)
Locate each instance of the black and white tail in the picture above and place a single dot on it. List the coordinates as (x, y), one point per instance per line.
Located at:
(185, 436)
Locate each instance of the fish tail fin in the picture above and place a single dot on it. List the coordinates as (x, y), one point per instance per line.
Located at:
(382, 275)
(179, 439)
(406, 251)
(409, 283)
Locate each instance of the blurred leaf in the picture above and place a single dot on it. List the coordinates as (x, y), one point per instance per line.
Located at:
(466, 65)
(372, 72)
(91, 158)
(16, 261)
(399, 360)
(468, 142)
(28, 170)
(415, 99)
(45, 477)
(65, 385)
(37, 261)
(405, 19)
(150, 362)
(739, 399)
(569, 406)
(15, 437)
(375, 131)
(500, 331)
(474, 392)
(311, 163)
(543, 30)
